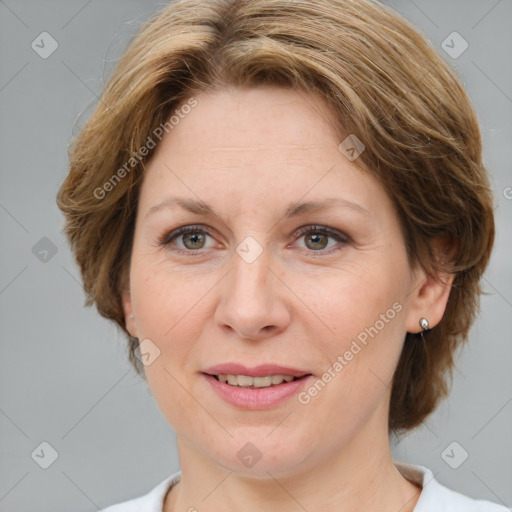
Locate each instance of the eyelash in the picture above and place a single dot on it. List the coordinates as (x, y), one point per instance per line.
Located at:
(166, 240)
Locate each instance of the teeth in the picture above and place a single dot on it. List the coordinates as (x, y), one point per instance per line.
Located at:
(244, 380)
(257, 382)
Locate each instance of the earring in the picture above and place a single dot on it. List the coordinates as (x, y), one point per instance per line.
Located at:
(132, 317)
(424, 324)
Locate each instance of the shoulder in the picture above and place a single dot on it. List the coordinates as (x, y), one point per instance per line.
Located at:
(150, 502)
(438, 498)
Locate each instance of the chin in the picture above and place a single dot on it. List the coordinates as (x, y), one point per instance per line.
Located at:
(257, 452)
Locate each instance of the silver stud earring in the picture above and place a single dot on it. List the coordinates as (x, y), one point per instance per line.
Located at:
(132, 317)
(424, 324)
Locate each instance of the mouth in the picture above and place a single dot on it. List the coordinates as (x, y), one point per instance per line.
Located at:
(260, 387)
(264, 381)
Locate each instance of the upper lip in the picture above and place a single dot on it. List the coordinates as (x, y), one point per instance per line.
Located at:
(261, 370)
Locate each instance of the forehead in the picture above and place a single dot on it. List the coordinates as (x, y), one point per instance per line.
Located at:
(238, 123)
(255, 146)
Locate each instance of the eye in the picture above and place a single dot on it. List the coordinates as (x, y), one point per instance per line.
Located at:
(192, 238)
(316, 238)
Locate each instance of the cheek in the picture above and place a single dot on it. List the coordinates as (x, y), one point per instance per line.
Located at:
(166, 300)
(349, 302)
(166, 312)
(167, 307)
(360, 321)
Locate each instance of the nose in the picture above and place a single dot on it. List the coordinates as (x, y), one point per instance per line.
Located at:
(253, 300)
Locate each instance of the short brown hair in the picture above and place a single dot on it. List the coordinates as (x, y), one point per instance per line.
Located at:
(384, 83)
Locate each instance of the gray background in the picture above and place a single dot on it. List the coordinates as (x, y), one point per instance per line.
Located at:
(63, 369)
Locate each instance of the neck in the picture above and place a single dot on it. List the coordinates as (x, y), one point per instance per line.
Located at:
(359, 476)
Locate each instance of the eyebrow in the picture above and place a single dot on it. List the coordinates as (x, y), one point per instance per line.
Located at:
(294, 209)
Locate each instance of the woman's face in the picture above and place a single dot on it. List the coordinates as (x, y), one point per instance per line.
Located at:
(247, 287)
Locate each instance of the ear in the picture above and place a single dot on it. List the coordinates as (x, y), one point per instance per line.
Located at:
(429, 295)
(128, 312)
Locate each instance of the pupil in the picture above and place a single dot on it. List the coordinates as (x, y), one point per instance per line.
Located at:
(317, 236)
(195, 238)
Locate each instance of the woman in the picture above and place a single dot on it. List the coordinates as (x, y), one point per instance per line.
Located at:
(284, 207)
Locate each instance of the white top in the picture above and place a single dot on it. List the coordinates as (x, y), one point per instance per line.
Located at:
(434, 496)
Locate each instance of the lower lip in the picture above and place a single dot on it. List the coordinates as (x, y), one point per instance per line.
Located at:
(257, 398)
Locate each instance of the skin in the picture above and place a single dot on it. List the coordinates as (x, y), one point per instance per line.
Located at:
(250, 153)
